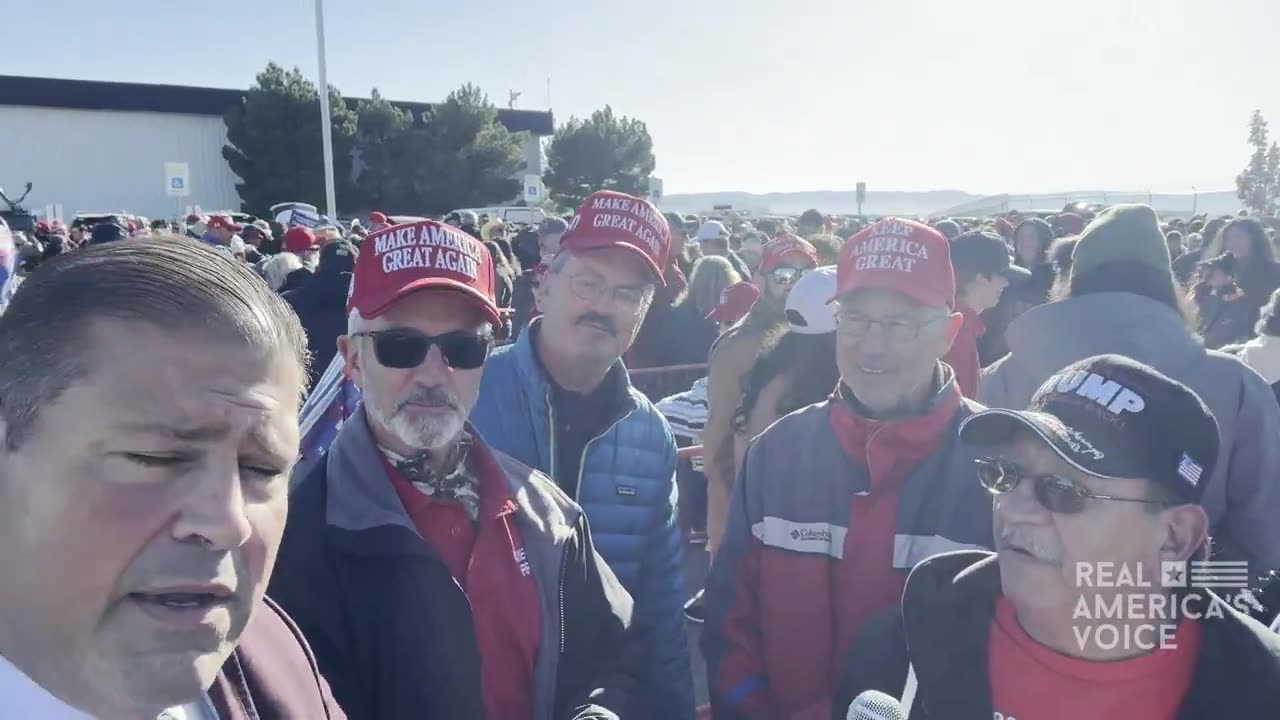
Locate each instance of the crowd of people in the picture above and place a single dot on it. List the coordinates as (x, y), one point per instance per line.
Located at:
(912, 451)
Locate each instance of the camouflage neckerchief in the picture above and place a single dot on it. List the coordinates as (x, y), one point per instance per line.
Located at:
(458, 484)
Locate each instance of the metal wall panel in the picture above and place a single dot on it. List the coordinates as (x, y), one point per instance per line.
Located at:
(94, 160)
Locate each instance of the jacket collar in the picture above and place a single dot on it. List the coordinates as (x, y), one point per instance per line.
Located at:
(536, 378)
(360, 496)
(948, 606)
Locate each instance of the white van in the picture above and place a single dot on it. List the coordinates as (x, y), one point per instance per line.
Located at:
(509, 215)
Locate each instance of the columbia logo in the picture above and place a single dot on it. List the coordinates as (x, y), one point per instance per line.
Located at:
(807, 534)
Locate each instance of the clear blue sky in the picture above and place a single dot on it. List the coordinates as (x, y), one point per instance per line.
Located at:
(762, 95)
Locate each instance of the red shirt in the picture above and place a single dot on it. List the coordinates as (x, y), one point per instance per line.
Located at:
(487, 559)
(963, 355)
(1031, 681)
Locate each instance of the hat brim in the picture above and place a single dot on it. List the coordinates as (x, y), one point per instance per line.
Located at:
(918, 292)
(999, 427)
(585, 246)
(1017, 274)
(374, 307)
(775, 262)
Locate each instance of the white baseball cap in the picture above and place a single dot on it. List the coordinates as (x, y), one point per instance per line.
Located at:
(711, 230)
(808, 311)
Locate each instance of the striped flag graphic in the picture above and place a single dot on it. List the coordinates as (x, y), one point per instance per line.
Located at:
(332, 401)
(1220, 574)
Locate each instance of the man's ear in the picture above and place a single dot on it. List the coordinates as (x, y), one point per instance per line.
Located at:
(540, 290)
(1186, 531)
(951, 329)
(351, 368)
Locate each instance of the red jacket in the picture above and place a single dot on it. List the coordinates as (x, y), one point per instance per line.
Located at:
(963, 355)
(272, 674)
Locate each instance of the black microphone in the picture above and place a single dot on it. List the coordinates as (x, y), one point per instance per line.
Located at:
(875, 705)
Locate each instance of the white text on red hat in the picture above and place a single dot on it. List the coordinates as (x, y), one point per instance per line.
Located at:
(643, 223)
(889, 248)
(410, 247)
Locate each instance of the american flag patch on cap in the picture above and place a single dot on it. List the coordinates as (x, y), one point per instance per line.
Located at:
(1189, 469)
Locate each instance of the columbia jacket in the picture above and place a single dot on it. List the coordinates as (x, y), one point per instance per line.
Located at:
(771, 592)
(1242, 497)
(394, 630)
(627, 488)
(945, 619)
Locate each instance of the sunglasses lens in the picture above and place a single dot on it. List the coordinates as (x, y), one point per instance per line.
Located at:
(1059, 495)
(464, 351)
(996, 476)
(400, 350)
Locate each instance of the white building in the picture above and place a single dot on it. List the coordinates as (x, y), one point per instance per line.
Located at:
(102, 146)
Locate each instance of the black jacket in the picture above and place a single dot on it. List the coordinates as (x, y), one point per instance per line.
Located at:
(392, 629)
(687, 334)
(1225, 316)
(947, 609)
(296, 279)
(321, 305)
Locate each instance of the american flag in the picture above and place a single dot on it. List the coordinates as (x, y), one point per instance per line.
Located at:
(1189, 469)
(332, 401)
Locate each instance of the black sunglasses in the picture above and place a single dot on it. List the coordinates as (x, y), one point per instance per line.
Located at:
(404, 349)
(1057, 494)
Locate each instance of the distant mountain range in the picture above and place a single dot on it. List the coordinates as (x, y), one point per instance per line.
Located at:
(953, 202)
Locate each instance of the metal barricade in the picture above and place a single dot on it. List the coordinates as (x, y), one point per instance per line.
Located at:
(659, 382)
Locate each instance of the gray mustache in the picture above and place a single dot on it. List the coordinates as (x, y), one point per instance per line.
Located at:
(429, 396)
(1014, 535)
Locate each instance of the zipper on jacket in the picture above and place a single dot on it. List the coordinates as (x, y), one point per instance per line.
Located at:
(563, 564)
(582, 461)
(551, 434)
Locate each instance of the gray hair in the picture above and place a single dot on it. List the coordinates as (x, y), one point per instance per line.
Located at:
(170, 282)
(276, 269)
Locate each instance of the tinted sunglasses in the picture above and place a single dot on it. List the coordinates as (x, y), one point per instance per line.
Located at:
(404, 349)
(786, 275)
(1061, 495)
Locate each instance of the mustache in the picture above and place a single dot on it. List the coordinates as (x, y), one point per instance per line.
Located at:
(429, 396)
(603, 321)
(1017, 536)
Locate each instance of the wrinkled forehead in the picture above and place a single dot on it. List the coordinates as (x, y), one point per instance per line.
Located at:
(882, 301)
(615, 265)
(142, 374)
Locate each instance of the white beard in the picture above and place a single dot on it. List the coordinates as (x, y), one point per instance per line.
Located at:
(434, 431)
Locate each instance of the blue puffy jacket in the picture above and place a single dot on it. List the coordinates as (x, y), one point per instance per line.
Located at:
(627, 488)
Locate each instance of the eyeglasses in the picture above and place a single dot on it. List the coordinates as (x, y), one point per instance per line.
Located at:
(787, 275)
(1057, 494)
(403, 349)
(855, 324)
(590, 287)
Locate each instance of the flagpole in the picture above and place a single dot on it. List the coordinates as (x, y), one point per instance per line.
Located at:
(326, 129)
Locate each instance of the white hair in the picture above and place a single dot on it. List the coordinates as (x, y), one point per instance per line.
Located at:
(276, 269)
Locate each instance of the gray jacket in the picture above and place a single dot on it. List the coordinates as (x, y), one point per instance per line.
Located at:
(1243, 497)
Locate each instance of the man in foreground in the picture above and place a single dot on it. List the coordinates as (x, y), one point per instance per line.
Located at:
(560, 400)
(835, 503)
(149, 419)
(436, 577)
(1088, 607)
